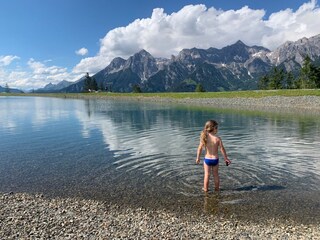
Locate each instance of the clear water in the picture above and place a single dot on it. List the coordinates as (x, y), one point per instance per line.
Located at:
(143, 154)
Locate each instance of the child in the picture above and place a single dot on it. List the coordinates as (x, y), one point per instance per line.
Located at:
(211, 143)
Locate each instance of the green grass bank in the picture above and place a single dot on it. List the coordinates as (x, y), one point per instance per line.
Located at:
(181, 95)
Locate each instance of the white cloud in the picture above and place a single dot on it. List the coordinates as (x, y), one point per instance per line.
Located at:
(198, 26)
(37, 75)
(82, 51)
(287, 25)
(43, 74)
(7, 60)
(91, 65)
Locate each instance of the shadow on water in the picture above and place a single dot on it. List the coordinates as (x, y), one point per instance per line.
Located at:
(260, 188)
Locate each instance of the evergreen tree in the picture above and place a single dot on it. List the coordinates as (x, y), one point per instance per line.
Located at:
(318, 77)
(7, 89)
(309, 77)
(136, 89)
(90, 84)
(86, 86)
(199, 88)
(308, 74)
(263, 83)
(289, 81)
(276, 79)
(94, 85)
(101, 86)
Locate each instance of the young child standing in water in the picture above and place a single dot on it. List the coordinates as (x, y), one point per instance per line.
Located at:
(211, 143)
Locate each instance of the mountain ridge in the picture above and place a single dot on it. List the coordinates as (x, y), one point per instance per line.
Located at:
(233, 67)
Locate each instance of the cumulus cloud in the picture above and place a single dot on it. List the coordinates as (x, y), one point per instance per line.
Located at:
(288, 25)
(37, 75)
(82, 51)
(7, 60)
(43, 74)
(198, 26)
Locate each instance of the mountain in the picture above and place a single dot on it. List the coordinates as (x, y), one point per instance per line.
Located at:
(215, 69)
(54, 87)
(121, 75)
(234, 67)
(10, 90)
(290, 55)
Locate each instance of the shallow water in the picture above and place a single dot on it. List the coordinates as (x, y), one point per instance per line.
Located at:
(143, 154)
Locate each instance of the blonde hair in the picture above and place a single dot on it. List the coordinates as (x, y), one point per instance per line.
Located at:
(209, 127)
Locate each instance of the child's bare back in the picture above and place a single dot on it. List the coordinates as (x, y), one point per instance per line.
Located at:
(212, 146)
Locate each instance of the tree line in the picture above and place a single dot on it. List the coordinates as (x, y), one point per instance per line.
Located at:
(90, 84)
(307, 78)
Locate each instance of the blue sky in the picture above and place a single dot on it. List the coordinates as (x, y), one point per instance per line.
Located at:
(44, 41)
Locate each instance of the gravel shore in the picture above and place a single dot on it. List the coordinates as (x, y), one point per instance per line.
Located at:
(24, 216)
(298, 104)
(308, 104)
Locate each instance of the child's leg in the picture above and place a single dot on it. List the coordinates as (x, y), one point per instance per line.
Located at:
(216, 177)
(206, 177)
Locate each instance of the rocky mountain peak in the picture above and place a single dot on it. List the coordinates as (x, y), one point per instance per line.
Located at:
(144, 53)
(239, 43)
(233, 67)
(115, 65)
(50, 87)
(190, 55)
(296, 51)
(143, 64)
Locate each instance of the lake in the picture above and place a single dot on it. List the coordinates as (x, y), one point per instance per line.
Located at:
(143, 154)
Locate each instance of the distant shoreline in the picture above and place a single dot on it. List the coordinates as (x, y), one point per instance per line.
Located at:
(293, 101)
(295, 104)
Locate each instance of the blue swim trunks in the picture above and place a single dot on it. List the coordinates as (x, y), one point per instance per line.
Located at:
(211, 161)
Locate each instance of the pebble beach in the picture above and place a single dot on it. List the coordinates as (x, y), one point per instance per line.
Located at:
(310, 104)
(275, 104)
(24, 216)
(36, 216)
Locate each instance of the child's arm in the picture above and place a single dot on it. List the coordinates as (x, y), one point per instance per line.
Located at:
(199, 153)
(224, 153)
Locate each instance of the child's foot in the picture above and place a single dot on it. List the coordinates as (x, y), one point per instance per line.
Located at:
(205, 190)
(217, 189)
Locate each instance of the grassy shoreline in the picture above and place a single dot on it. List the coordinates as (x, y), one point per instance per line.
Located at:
(182, 95)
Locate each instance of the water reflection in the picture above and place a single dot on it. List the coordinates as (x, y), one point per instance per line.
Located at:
(16, 112)
(160, 140)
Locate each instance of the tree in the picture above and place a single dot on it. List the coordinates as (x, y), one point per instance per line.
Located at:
(102, 88)
(90, 84)
(94, 84)
(86, 86)
(318, 78)
(276, 79)
(263, 83)
(199, 88)
(309, 77)
(308, 74)
(136, 89)
(7, 89)
(289, 81)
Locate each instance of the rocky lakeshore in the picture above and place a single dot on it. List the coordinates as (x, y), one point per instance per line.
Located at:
(297, 104)
(24, 216)
(275, 103)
